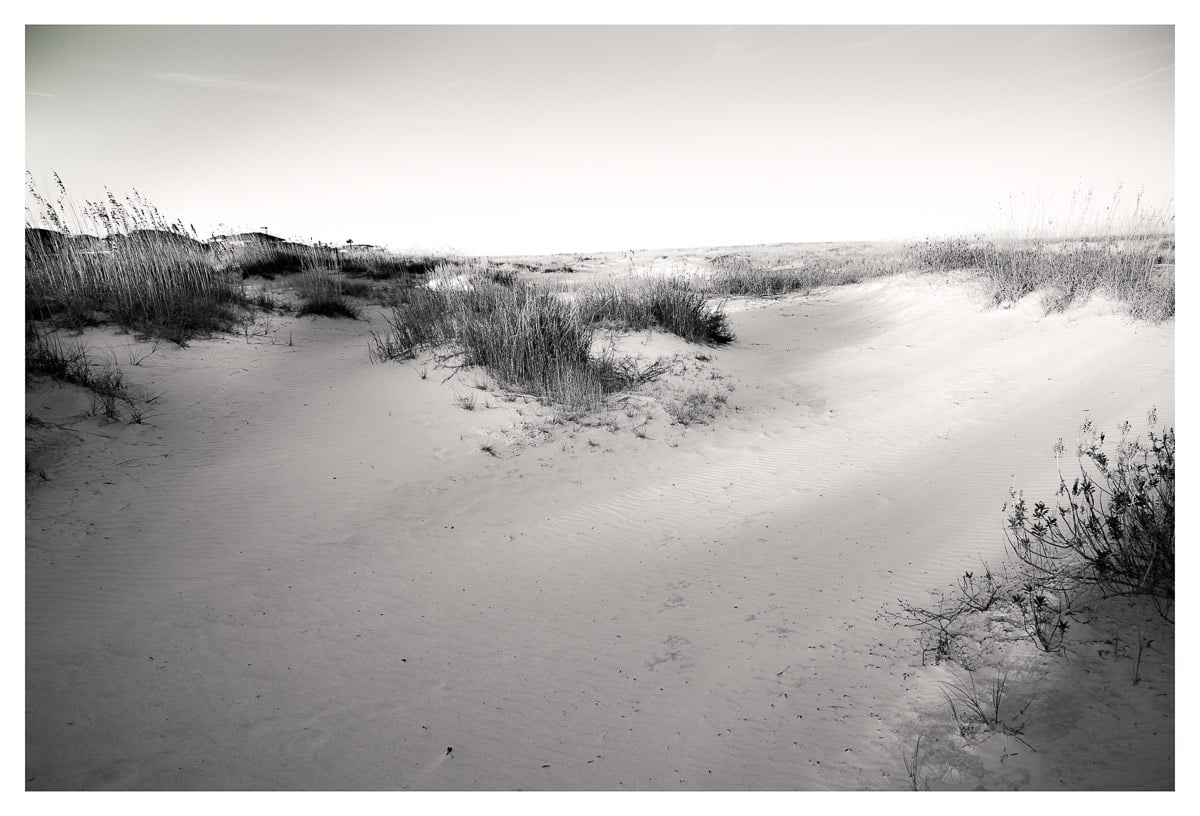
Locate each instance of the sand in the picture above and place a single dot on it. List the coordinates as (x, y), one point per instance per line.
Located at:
(305, 572)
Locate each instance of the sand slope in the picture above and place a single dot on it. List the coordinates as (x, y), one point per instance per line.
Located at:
(304, 572)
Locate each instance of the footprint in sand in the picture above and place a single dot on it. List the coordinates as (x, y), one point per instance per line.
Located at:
(676, 599)
(673, 648)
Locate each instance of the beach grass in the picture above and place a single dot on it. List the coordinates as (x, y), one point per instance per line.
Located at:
(671, 304)
(527, 339)
(145, 273)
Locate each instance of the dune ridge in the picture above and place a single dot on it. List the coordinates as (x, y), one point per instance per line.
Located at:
(303, 573)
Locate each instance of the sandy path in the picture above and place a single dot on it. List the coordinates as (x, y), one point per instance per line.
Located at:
(306, 575)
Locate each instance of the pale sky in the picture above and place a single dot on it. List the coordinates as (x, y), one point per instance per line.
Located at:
(524, 139)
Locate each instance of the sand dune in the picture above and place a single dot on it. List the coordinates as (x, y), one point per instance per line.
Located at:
(305, 573)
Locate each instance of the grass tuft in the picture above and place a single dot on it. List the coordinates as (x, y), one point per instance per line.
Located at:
(322, 295)
(670, 304)
(50, 355)
(527, 339)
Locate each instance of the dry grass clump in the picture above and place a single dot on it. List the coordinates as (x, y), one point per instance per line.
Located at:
(527, 339)
(351, 287)
(322, 294)
(740, 274)
(1131, 260)
(270, 260)
(1132, 270)
(695, 406)
(670, 304)
(49, 355)
(145, 273)
(385, 266)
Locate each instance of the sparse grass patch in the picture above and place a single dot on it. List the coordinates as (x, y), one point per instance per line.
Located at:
(980, 707)
(264, 301)
(526, 339)
(322, 295)
(51, 355)
(912, 768)
(504, 277)
(1129, 270)
(1128, 255)
(670, 304)
(385, 266)
(355, 288)
(695, 406)
(938, 626)
(271, 260)
(69, 361)
(739, 274)
(417, 321)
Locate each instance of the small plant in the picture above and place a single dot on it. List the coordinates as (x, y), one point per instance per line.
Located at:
(978, 708)
(466, 401)
(980, 593)
(1044, 621)
(694, 407)
(935, 624)
(912, 767)
(1137, 663)
(1114, 524)
(105, 405)
(137, 413)
(263, 300)
(975, 708)
(489, 449)
(136, 358)
(252, 327)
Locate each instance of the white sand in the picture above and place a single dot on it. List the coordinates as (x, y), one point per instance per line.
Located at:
(304, 572)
